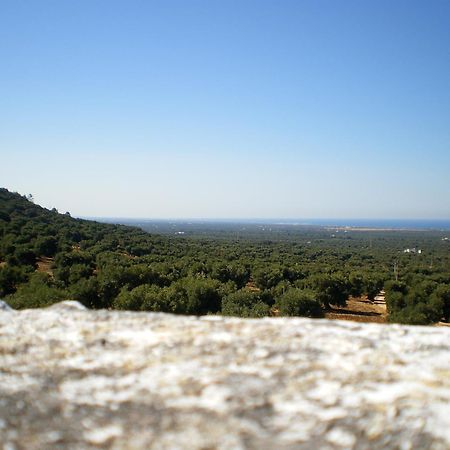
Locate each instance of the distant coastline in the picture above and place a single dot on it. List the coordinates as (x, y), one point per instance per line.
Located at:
(338, 224)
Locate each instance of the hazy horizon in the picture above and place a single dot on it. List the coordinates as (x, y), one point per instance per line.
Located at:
(385, 223)
(210, 109)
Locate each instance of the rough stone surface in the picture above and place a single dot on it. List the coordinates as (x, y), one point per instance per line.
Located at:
(4, 306)
(78, 379)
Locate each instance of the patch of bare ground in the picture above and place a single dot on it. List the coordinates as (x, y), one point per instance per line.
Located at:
(44, 264)
(360, 309)
(127, 255)
(251, 286)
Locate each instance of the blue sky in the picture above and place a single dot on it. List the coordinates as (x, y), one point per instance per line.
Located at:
(223, 109)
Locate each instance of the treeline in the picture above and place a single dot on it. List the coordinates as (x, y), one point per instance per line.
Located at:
(419, 302)
(46, 257)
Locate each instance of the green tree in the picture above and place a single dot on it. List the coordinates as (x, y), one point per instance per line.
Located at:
(373, 285)
(442, 293)
(46, 246)
(197, 295)
(86, 291)
(40, 291)
(299, 302)
(330, 290)
(356, 284)
(10, 278)
(244, 303)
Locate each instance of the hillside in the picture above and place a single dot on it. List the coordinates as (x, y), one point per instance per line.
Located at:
(43, 252)
(46, 257)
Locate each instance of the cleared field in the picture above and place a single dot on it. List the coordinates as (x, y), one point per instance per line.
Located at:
(360, 309)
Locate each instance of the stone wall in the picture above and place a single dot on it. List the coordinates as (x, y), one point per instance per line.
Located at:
(79, 379)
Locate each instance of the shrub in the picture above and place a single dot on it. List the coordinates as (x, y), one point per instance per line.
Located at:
(38, 292)
(146, 297)
(244, 303)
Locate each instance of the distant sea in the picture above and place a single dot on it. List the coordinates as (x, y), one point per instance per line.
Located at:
(416, 224)
(407, 224)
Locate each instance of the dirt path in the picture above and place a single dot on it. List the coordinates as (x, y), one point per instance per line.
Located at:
(44, 264)
(360, 309)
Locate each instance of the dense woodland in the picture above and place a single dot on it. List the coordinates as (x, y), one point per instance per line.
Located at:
(247, 271)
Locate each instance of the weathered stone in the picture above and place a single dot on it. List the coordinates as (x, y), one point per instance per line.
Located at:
(80, 379)
(68, 305)
(4, 306)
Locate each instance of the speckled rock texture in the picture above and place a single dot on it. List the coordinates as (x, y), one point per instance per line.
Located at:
(77, 379)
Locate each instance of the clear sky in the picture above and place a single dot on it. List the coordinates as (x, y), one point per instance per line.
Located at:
(223, 109)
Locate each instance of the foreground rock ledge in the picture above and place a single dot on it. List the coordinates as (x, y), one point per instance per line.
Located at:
(79, 379)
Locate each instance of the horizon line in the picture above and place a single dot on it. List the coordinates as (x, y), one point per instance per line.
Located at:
(285, 219)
